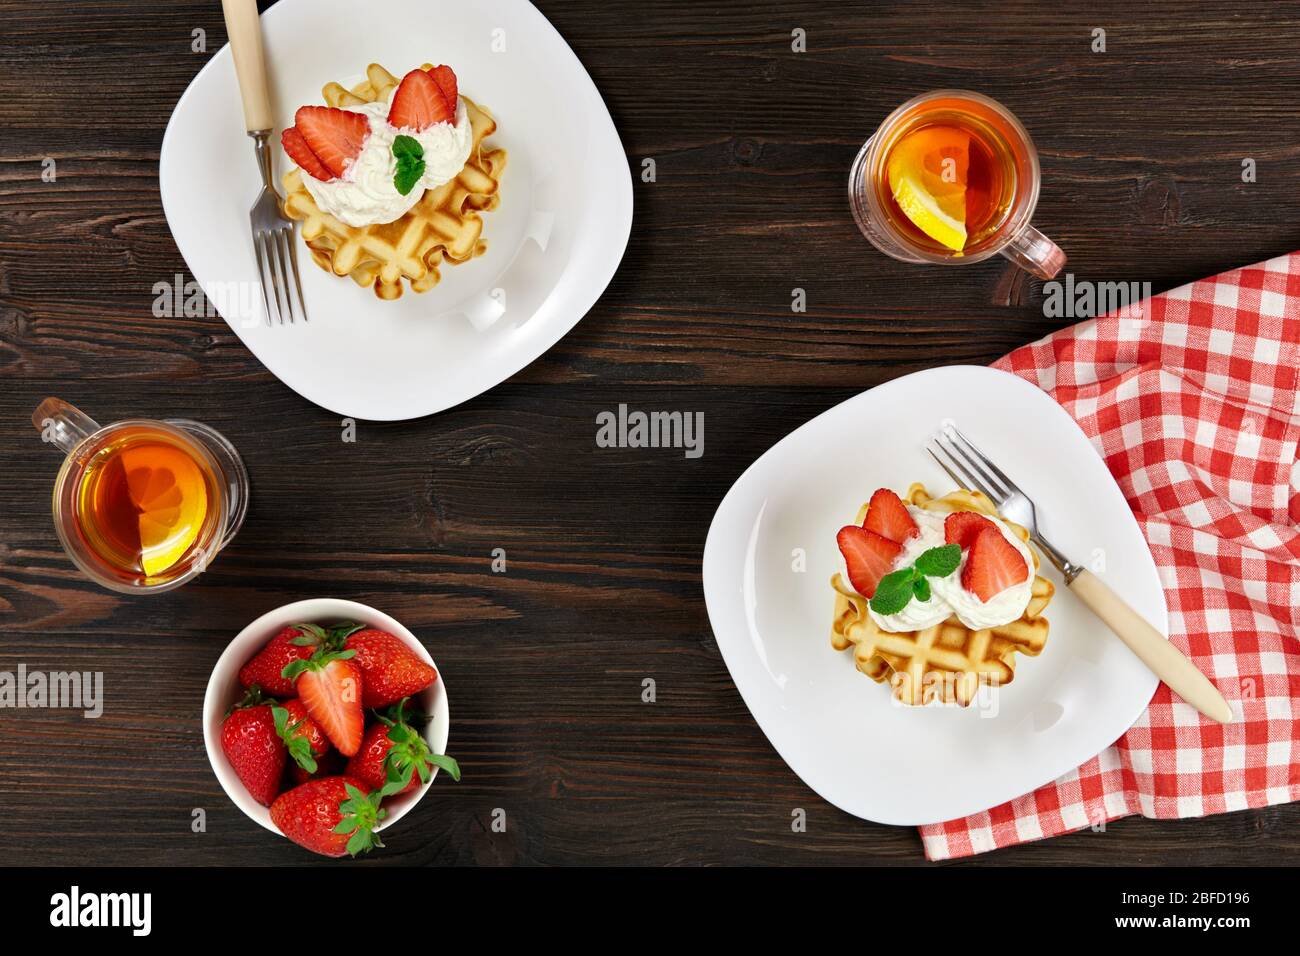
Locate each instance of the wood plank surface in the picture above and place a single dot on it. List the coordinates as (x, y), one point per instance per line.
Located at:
(1141, 149)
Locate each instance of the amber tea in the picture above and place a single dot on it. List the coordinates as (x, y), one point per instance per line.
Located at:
(951, 177)
(143, 500)
(948, 183)
(142, 505)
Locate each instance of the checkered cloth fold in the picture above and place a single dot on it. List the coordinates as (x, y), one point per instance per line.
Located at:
(1193, 404)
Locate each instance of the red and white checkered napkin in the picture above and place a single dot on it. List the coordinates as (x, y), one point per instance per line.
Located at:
(1194, 407)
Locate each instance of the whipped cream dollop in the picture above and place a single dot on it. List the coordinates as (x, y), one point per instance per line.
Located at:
(365, 195)
(947, 595)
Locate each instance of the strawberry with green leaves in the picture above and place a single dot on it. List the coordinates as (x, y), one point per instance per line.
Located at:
(394, 757)
(254, 749)
(303, 738)
(266, 668)
(330, 686)
(332, 816)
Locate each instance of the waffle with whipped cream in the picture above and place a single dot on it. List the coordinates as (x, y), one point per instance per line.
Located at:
(947, 661)
(443, 226)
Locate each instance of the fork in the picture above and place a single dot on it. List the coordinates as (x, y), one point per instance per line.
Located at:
(272, 230)
(970, 468)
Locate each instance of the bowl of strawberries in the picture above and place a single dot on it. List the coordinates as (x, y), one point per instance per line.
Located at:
(326, 721)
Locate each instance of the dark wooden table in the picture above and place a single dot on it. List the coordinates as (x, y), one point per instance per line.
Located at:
(1141, 150)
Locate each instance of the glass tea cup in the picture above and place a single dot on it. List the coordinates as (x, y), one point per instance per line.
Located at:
(142, 506)
(1001, 179)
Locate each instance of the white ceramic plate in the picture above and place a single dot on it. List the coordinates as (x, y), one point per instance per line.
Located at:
(224, 689)
(839, 731)
(554, 243)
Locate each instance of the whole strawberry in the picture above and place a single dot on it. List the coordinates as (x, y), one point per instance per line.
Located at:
(302, 736)
(394, 758)
(331, 688)
(330, 816)
(390, 668)
(266, 668)
(254, 749)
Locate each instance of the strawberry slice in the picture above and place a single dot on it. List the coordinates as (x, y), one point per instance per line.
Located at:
(963, 527)
(297, 149)
(418, 103)
(992, 565)
(868, 557)
(887, 516)
(336, 136)
(329, 686)
(446, 80)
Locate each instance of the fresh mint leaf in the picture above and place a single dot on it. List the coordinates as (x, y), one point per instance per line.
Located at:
(921, 588)
(410, 163)
(939, 562)
(405, 145)
(893, 592)
(408, 174)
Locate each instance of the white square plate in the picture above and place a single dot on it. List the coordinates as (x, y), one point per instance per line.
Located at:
(840, 732)
(553, 244)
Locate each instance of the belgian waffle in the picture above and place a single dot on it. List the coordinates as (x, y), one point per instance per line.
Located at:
(947, 662)
(444, 226)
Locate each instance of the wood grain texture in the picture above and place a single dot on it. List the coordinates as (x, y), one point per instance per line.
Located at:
(1141, 150)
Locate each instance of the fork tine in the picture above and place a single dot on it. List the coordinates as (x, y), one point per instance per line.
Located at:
(951, 474)
(977, 462)
(967, 478)
(261, 277)
(286, 235)
(1007, 483)
(281, 251)
(273, 259)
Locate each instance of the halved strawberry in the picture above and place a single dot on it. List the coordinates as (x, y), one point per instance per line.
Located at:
(446, 80)
(329, 685)
(334, 135)
(868, 557)
(992, 565)
(963, 527)
(298, 150)
(418, 103)
(887, 516)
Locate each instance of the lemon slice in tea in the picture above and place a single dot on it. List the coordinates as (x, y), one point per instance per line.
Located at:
(927, 175)
(170, 496)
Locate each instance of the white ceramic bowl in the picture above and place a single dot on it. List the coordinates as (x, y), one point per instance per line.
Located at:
(224, 689)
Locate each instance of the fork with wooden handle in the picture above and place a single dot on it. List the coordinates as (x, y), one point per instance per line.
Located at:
(970, 468)
(272, 230)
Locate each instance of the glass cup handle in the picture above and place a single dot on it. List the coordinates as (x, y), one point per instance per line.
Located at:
(62, 425)
(1034, 252)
